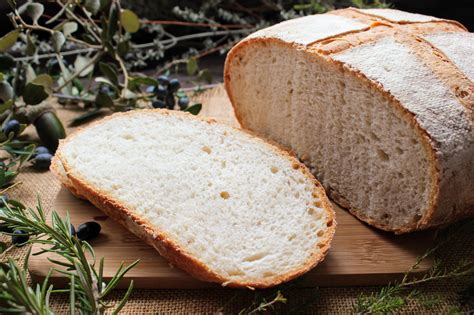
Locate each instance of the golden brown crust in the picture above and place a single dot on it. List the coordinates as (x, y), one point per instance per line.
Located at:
(165, 245)
(425, 221)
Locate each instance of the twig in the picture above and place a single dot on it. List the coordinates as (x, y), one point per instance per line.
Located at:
(195, 36)
(78, 72)
(97, 38)
(50, 55)
(125, 73)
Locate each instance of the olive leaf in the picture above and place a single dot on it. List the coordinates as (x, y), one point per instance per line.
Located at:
(34, 94)
(69, 28)
(130, 21)
(92, 6)
(30, 45)
(12, 4)
(30, 73)
(123, 48)
(8, 40)
(6, 91)
(35, 11)
(6, 62)
(38, 90)
(104, 100)
(88, 38)
(58, 40)
(194, 109)
(3, 247)
(127, 94)
(104, 4)
(81, 62)
(113, 21)
(205, 75)
(192, 66)
(143, 81)
(2, 177)
(65, 76)
(104, 80)
(45, 81)
(6, 106)
(110, 72)
(87, 116)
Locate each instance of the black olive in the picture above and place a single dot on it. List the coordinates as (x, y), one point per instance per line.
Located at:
(163, 80)
(170, 101)
(4, 227)
(174, 85)
(19, 237)
(88, 230)
(183, 102)
(11, 126)
(161, 92)
(72, 230)
(105, 89)
(41, 150)
(158, 104)
(43, 161)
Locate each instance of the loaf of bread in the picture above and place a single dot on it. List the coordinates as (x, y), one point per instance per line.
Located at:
(378, 103)
(217, 202)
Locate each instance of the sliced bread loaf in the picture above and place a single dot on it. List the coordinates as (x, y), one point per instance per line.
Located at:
(221, 204)
(378, 103)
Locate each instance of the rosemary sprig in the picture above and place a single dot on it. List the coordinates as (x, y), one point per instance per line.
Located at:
(23, 299)
(263, 304)
(88, 289)
(394, 297)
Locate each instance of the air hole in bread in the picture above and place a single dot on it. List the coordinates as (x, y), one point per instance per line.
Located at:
(255, 257)
(382, 155)
(373, 136)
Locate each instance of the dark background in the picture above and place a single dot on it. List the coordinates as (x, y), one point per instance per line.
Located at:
(460, 10)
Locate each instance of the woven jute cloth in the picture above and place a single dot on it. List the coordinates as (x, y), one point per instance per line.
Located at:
(330, 300)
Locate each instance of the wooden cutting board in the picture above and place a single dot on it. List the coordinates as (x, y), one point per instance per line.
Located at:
(360, 255)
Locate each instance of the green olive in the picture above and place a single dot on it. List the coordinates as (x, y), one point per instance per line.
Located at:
(49, 129)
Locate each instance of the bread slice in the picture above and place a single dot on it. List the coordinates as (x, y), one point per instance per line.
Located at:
(217, 202)
(378, 103)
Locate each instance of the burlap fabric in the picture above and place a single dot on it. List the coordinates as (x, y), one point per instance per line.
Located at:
(336, 300)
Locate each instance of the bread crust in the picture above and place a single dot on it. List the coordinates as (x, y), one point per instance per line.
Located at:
(434, 215)
(163, 243)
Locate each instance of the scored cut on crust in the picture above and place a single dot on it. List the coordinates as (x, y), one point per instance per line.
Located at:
(378, 103)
